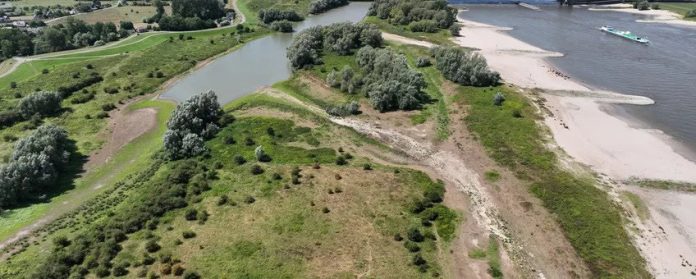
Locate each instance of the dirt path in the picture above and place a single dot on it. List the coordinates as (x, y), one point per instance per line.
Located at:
(124, 126)
(535, 246)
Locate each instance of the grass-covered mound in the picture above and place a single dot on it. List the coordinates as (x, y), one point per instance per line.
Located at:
(315, 207)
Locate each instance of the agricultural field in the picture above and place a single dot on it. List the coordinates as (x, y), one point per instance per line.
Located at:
(29, 3)
(134, 14)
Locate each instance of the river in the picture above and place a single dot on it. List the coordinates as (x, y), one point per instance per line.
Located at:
(664, 71)
(257, 64)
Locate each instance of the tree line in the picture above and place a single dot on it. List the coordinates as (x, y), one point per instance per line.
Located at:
(268, 16)
(188, 14)
(420, 16)
(74, 33)
(320, 6)
(341, 38)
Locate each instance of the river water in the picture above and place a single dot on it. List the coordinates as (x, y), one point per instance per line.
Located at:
(257, 64)
(664, 71)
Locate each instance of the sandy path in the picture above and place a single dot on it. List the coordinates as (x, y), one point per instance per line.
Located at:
(404, 40)
(124, 126)
(535, 246)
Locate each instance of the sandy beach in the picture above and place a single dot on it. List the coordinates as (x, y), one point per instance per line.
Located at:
(657, 16)
(581, 123)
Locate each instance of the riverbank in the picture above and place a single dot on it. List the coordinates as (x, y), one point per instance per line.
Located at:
(582, 123)
(578, 119)
(657, 16)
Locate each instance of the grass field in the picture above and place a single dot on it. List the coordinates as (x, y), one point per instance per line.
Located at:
(680, 8)
(134, 14)
(592, 223)
(29, 3)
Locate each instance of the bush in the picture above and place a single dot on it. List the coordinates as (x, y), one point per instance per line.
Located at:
(191, 214)
(152, 246)
(9, 118)
(261, 155)
(41, 103)
(283, 26)
(340, 160)
(256, 170)
(249, 199)
(423, 61)
(351, 108)
(188, 234)
(239, 160)
(455, 29)
(320, 6)
(415, 235)
(691, 13)
(464, 67)
(427, 26)
(498, 99)
(411, 246)
(191, 275)
(272, 14)
(224, 199)
(389, 82)
(642, 5)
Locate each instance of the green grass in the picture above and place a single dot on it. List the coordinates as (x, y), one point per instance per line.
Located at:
(131, 158)
(679, 8)
(443, 37)
(592, 223)
(491, 176)
(641, 209)
(85, 132)
(251, 8)
(664, 184)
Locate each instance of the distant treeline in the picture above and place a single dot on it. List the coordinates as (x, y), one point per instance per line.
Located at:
(420, 16)
(320, 6)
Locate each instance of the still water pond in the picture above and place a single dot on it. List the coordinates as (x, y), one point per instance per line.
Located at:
(257, 64)
(664, 71)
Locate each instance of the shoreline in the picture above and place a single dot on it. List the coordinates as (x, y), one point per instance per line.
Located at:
(587, 127)
(655, 16)
(588, 133)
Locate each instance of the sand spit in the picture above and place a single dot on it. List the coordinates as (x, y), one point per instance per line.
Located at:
(579, 122)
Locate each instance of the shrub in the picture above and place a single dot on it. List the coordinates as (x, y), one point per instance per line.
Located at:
(404, 12)
(261, 155)
(191, 214)
(178, 270)
(455, 30)
(41, 103)
(642, 5)
(272, 14)
(427, 26)
(398, 237)
(464, 67)
(411, 246)
(256, 170)
(223, 200)
(249, 141)
(239, 160)
(13, 85)
(152, 246)
(498, 99)
(415, 235)
(340, 160)
(389, 82)
(249, 199)
(283, 26)
(188, 234)
(191, 275)
(418, 260)
(9, 118)
(320, 6)
(423, 61)
(691, 13)
(108, 107)
(347, 109)
(325, 210)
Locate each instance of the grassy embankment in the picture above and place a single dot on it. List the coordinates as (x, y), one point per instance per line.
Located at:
(593, 224)
(337, 220)
(83, 121)
(679, 8)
